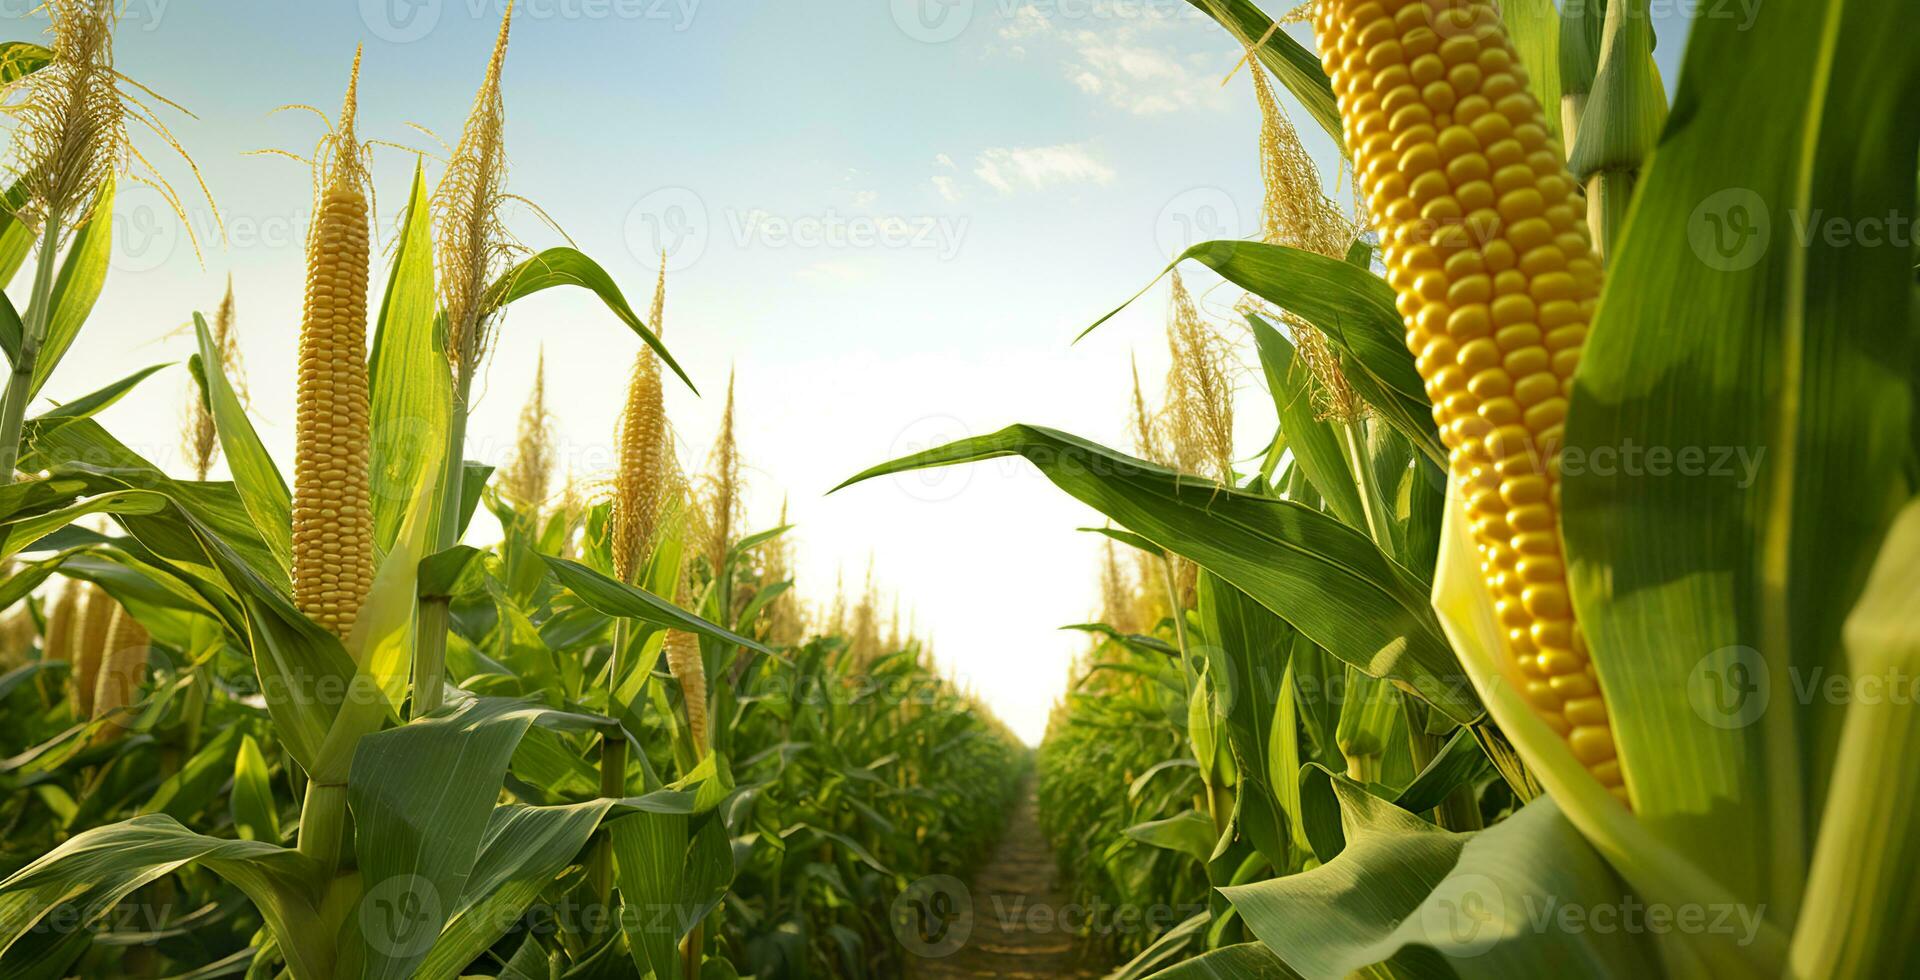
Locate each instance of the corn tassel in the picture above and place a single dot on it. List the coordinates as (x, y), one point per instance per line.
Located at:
(646, 463)
(123, 663)
(332, 512)
(1496, 279)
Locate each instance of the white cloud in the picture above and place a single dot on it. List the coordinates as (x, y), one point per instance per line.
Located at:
(865, 199)
(1031, 168)
(1142, 80)
(1026, 22)
(949, 191)
(1134, 54)
(943, 160)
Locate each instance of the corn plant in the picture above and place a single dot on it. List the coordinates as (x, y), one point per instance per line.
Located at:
(352, 746)
(1615, 641)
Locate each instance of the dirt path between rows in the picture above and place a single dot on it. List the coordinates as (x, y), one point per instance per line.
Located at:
(1002, 923)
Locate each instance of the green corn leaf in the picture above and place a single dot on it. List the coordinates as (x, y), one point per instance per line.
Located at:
(1321, 576)
(255, 477)
(93, 871)
(616, 598)
(77, 285)
(255, 815)
(1190, 833)
(1727, 487)
(1296, 67)
(1316, 447)
(422, 795)
(1242, 961)
(410, 382)
(569, 267)
(1860, 901)
(1432, 903)
(672, 869)
(523, 849)
(1350, 305)
(1247, 653)
(88, 405)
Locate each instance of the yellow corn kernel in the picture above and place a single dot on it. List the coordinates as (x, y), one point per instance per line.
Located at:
(332, 506)
(1503, 275)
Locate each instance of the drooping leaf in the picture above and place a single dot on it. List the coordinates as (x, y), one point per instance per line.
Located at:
(1321, 576)
(1351, 306)
(569, 267)
(94, 870)
(1439, 904)
(1296, 67)
(616, 598)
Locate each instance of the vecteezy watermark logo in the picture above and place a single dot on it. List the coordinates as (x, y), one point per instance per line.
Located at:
(933, 21)
(1730, 687)
(1464, 916)
(671, 221)
(933, 917)
(146, 230)
(1199, 214)
(1730, 230)
(936, 484)
(400, 21)
(401, 916)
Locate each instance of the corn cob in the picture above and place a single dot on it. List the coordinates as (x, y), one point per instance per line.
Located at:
(62, 621)
(1496, 280)
(332, 513)
(683, 661)
(95, 619)
(122, 664)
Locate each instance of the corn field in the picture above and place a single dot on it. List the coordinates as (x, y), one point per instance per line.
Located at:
(1483, 664)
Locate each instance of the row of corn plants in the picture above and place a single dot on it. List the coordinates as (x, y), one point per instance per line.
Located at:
(1567, 626)
(269, 728)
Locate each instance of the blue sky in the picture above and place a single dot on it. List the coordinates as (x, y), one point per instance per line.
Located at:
(890, 225)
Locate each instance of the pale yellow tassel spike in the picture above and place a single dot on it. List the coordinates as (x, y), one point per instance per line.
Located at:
(1296, 213)
(201, 434)
(725, 479)
(332, 507)
(645, 471)
(526, 481)
(1199, 391)
(471, 243)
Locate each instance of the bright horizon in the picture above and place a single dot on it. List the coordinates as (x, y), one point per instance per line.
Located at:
(886, 265)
